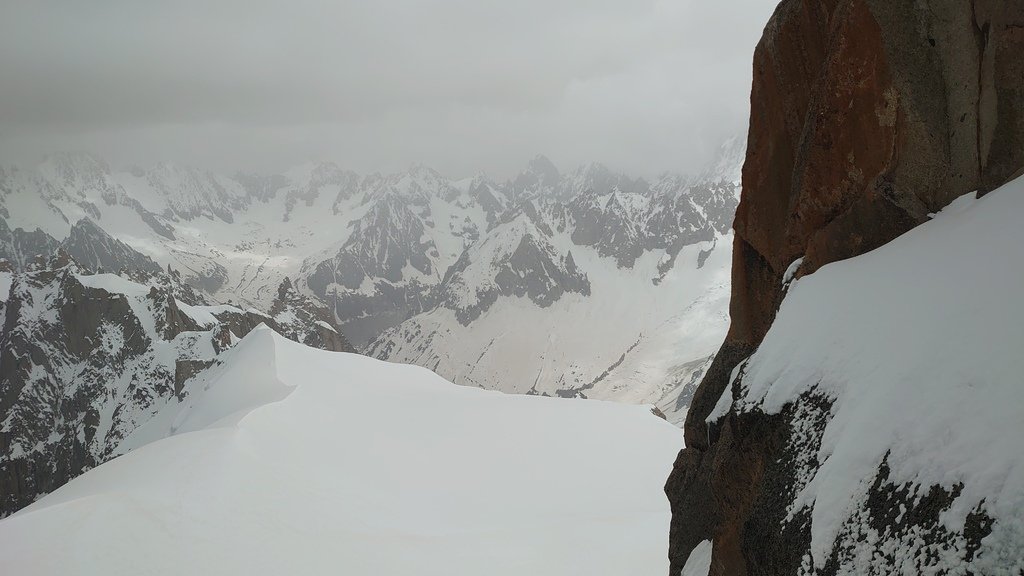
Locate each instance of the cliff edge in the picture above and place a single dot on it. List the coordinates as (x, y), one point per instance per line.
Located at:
(867, 118)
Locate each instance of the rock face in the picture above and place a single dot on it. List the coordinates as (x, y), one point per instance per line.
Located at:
(866, 116)
(20, 248)
(90, 246)
(82, 365)
(300, 318)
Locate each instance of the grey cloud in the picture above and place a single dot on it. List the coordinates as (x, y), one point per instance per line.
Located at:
(643, 85)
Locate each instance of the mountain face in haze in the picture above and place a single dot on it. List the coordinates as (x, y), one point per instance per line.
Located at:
(855, 419)
(391, 257)
(20, 247)
(592, 285)
(90, 246)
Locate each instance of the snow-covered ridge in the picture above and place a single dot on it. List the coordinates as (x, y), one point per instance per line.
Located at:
(915, 347)
(336, 462)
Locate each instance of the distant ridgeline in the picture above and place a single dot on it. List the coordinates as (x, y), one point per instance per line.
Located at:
(602, 272)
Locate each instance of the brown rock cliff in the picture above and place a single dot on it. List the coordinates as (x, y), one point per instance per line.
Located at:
(866, 116)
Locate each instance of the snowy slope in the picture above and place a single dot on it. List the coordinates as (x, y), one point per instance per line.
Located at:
(915, 351)
(629, 339)
(292, 460)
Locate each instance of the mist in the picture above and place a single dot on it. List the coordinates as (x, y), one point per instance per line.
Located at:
(464, 86)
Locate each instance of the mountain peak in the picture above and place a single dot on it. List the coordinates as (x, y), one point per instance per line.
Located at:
(542, 166)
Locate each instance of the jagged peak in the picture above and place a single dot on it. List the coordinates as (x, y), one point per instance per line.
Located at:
(541, 164)
(86, 225)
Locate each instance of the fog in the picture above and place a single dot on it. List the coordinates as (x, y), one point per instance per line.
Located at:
(461, 85)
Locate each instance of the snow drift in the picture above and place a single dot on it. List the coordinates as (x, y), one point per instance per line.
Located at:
(287, 459)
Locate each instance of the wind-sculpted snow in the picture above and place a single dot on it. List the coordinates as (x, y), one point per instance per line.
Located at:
(913, 352)
(285, 459)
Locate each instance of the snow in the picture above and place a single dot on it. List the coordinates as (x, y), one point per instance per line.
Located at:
(302, 461)
(699, 562)
(114, 284)
(206, 316)
(919, 343)
(326, 326)
(287, 318)
(791, 271)
(202, 315)
(6, 280)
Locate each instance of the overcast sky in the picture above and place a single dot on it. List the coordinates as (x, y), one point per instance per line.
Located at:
(644, 86)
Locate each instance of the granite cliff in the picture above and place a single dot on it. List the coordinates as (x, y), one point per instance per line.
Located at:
(867, 118)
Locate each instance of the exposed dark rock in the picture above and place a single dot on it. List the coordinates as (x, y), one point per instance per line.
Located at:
(92, 248)
(210, 278)
(20, 247)
(384, 245)
(68, 353)
(262, 188)
(188, 368)
(302, 319)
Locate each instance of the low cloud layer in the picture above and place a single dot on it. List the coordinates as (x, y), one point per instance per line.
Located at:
(463, 85)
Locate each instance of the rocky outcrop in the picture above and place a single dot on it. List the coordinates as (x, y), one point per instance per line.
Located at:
(20, 247)
(866, 117)
(91, 247)
(82, 365)
(300, 318)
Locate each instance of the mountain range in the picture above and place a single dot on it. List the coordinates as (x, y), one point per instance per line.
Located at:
(529, 285)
